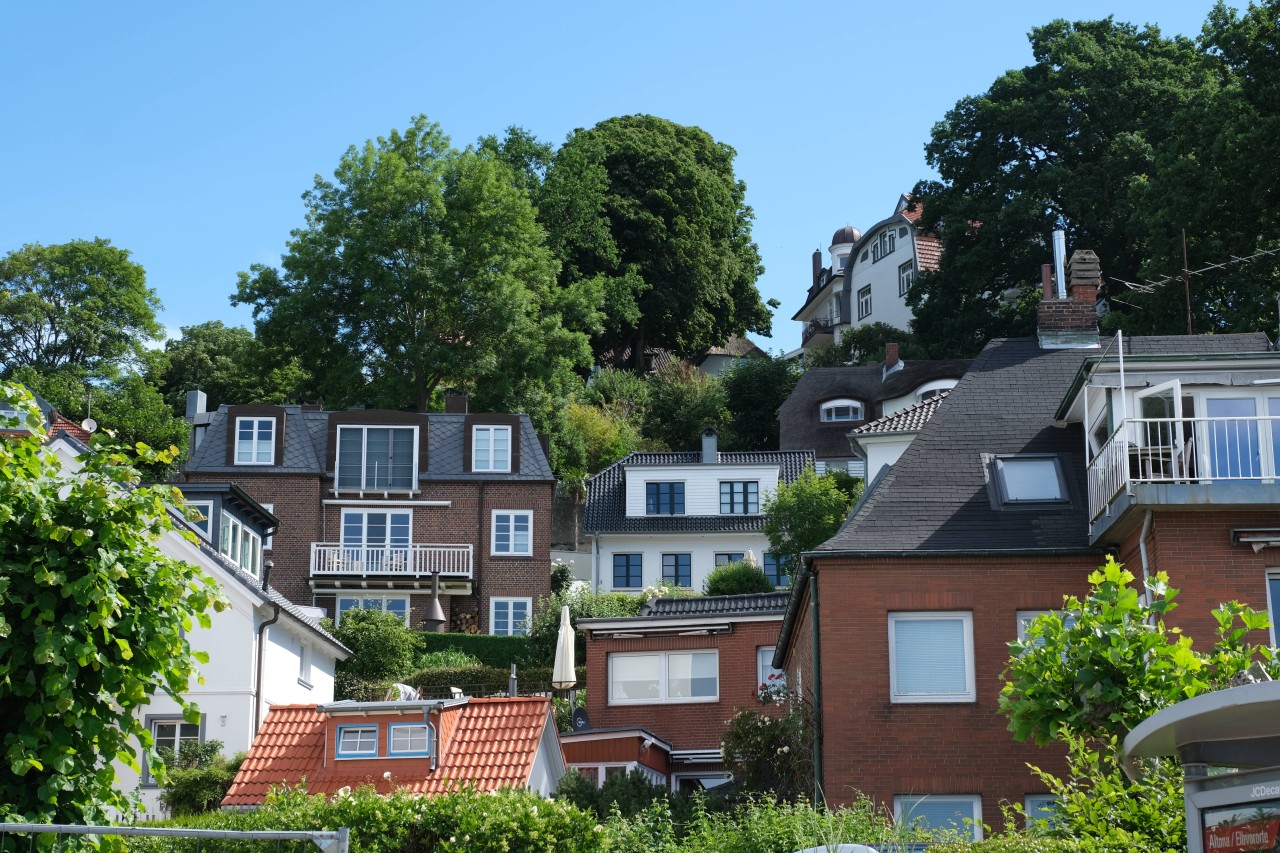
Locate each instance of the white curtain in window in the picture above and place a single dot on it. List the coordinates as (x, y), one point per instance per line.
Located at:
(929, 656)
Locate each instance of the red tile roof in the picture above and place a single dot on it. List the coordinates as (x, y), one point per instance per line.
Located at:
(928, 253)
(487, 743)
(57, 424)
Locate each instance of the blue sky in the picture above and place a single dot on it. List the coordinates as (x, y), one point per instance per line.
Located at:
(187, 132)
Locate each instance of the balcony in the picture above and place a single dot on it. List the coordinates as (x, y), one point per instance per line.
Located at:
(390, 562)
(821, 328)
(1184, 461)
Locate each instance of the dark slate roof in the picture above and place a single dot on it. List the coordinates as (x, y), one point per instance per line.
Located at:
(607, 497)
(911, 419)
(754, 604)
(306, 439)
(935, 499)
(799, 426)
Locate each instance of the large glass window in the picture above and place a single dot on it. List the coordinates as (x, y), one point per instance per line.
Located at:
(357, 741)
(170, 734)
(769, 679)
(397, 604)
(383, 458)
(376, 541)
(906, 275)
(628, 571)
(1234, 448)
(239, 544)
(864, 302)
(931, 657)
(739, 497)
(677, 569)
(723, 557)
(512, 533)
(509, 617)
(685, 676)
(664, 498)
(940, 813)
(835, 411)
(491, 448)
(1029, 479)
(255, 441)
(776, 570)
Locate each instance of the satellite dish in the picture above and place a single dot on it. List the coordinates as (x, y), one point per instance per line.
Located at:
(89, 424)
(581, 722)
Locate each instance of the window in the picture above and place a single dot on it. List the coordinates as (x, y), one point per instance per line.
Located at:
(767, 677)
(884, 245)
(842, 262)
(169, 733)
(664, 677)
(409, 739)
(940, 812)
(627, 571)
(1041, 807)
(397, 604)
(271, 508)
(239, 544)
(776, 570)
(906, 274)
(255, 441)
(838, 411)
(381, 458)
(664, 498)
(677, 569)
(375, 541)
(512, 533)
(598, 774)
(1029, 479)
(304, 664)
(864, 302)
(509, 617)
(931, 657)
(491, 448)
(739, 497)
(357, 741)
(1273, 602)
(723, 557)
(203, 526)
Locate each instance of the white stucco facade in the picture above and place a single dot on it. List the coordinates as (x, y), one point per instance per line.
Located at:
(702, 549)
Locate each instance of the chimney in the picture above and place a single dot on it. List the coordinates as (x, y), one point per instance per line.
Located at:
(709, 454)
(455, 403)
(817, 265)
(1072, 323)
(198, 417)
(890, 358)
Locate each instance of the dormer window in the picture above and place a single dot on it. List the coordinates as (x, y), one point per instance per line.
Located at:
(377, 458)
(929, 390)
(1029, 479)
(239, 544)
(838, 411)
(491, 449)
(255, 441)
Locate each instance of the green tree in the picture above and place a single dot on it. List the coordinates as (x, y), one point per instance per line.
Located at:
(421, 266)
(739, 577)
(93, 622)
(803, 514)
(81, 304)
(383, 649)
(754, 390)
(653, 211)
(864, 344)
(604, 436)
(772, 753)
(683, 401)
(198, 777)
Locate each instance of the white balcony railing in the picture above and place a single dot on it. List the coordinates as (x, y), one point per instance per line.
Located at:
(408, 561)
(1184, 450)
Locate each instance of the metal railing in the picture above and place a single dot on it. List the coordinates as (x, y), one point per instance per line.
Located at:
(415, 560)
(332, 841)
(1183, 450)
(818, 326)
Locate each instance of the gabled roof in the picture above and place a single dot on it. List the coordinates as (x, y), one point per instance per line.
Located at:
(735, 347)
(718, 605)
(911, 419)
(606, 510)
(486, 743)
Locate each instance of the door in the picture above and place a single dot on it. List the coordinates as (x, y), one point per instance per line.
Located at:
(379, 540)
(1159, 436)
(1235, 451)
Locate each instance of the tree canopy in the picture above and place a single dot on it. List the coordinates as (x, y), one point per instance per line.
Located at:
(803, 514)
(81, 304)
(652, 211)
(93, 622)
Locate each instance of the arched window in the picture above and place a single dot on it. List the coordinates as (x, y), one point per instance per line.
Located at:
(932, 389)
(835, 411)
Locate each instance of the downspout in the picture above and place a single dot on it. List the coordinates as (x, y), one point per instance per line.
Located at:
(262, 637)
(595, 561)
(812, 576)
(1142, 549)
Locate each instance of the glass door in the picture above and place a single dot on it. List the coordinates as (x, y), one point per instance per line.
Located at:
(379, 540)
(1235, 451)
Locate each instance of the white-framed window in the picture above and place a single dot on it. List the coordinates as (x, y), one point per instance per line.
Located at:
(304, 664)
(703, 781)
(512, 533)
(1273, 602)
(598, 773)
(397, 604)
(357, 741)
(864, 302)
(1041, 807)
(1025, 618)
(205, 525)
(170, 733)
(940, 812)
(684, 676)
(510, 617)
(739, 497)
(410, 740)
(842, 409)
(238, 543)
(271, 508)
(932, 389)
(1029, 479)
(376, 540)
(842, 262)
(931, 657)
(255, 441)
(491, 448)
(377, 458)
(884, 245)
(766, 676)
(906, 275)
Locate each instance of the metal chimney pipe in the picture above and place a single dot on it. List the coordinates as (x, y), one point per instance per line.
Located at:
(1060, 261)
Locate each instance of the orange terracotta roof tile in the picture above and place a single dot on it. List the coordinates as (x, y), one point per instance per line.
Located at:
(486, 743)
(928, 253)
(57, 424)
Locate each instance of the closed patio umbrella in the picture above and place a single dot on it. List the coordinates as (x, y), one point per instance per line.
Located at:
(563, 675)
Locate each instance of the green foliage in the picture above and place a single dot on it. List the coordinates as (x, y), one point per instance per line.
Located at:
(772, 753)
(561, 577)
(683, 401)
(865, 344)
(803, 514)
(447, 659)
(584, 603)
(603, 436)
(487, 649)
(736, 578)
(481, 680)
(81, 304)
(198, 778)
(383, 649)
(620, 391)
(623, 794)
(93, 618)
(754, 390)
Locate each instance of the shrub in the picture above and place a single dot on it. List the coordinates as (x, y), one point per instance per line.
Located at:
(584, 603)
(737, 578)
(488, 649)
(771, 752)
(447, 659)
(384, 651)
(483, 680)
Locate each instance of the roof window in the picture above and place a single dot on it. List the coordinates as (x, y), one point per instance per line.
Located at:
(838, 411)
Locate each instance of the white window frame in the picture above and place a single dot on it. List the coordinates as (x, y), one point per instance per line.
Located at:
(362, 598)
(523, 630)
(169, 719)
(906, 275)
(1273, 602)
(233, 534)
(764, 668)
(910, 800)
(864, 302)
(930, 390)
(826, 412)
(205, 508)
(1033, 804)
(490, 431)
(511, 539)
(363, 485)
(394, 729)
(664, 678)
(304, 664)
(256, 443)
(969, 694)
(359, 728)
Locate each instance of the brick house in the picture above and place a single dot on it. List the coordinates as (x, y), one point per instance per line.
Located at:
(669, 680)
(1049, 454)
(373, 506)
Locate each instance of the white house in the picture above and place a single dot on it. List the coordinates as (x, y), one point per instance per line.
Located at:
(673, 517)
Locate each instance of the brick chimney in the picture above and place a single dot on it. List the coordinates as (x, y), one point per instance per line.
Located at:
(1072, 323)
(455, 403)
(890, 356)
(817, 265)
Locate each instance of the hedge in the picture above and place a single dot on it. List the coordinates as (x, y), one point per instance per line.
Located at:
(485, 680)
(490, 649)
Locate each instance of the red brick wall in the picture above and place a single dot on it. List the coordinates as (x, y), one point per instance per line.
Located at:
(694, 725)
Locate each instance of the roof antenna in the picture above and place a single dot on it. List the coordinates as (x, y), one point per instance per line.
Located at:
(89, 424)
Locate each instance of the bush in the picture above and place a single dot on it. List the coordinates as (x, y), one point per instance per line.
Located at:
(488, 649)
(737, 578)
(483, 680)
(772, 752)
(384, 651)
(583, 604)
(198, 778)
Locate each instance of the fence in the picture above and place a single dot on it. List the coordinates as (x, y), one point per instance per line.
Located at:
(20, 837)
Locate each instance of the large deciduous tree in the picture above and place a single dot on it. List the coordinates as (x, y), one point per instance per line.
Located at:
(92, 622)
(803, 514)
(420, 266)
(81, 304)
(652, 210)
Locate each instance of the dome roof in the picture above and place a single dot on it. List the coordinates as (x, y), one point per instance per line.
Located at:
(847, 234)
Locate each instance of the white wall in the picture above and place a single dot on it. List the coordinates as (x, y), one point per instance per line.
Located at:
(702, 548)
(882, 275)
(701, 484)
